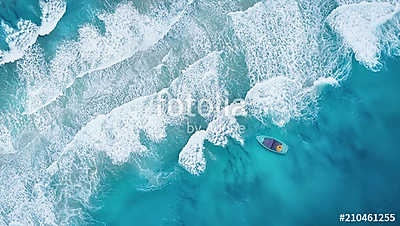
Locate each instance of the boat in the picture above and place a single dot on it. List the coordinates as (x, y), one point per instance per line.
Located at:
(272, 144)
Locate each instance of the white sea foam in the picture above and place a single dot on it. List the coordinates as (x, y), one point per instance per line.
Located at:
(360, 25)
(285, 54)
(225, 125)
(274, 39)
(273, 36)
(191, 158)
(23, 202)
(52, 11)
(323, 81)
(235, 109)
(279, 99)
(221, 128)
(32, 69)
(6, 146)
(203, 81)
(26, 34)
(117, 133)
(126, 32)
(18, 40)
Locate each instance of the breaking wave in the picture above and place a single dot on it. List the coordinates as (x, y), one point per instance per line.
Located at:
(368, 28)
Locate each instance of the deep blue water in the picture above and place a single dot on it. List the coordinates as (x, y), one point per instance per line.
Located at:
(81, 142)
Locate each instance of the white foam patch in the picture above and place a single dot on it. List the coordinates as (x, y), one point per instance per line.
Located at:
(321, 82)
(279, 98)
(32, 70)
(221, 128)
(6, 146)
(235, 109)
(225, 125)
(26, 34)
(117, 133)
(22, 201)
(282, 99)
(273, 36)
(52, 11)
(360, 26)
(191, 158)
(197, 42)
(204, 83)
(18, 40)
(127, 31)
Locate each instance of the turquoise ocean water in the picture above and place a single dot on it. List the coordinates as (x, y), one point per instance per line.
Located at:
(94, 128)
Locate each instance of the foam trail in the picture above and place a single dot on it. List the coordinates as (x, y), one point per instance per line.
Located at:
(360, 25)
(117, 133)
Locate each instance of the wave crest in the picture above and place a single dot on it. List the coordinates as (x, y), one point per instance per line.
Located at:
(365, 29)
